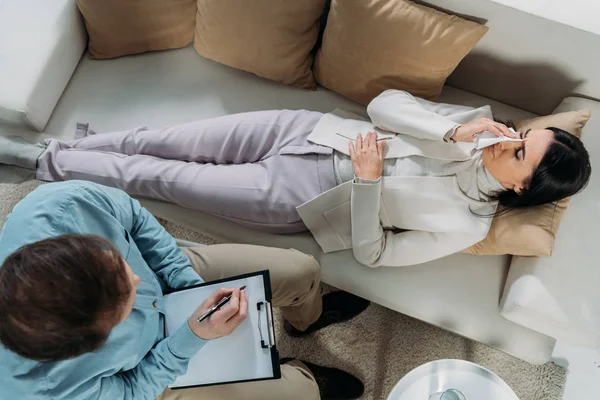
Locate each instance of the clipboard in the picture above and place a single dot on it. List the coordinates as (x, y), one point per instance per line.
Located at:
(249, 354)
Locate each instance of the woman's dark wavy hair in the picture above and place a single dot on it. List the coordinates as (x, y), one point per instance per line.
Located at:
(565, 170)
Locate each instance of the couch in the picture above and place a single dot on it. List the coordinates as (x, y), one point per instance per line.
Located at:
(518, 305)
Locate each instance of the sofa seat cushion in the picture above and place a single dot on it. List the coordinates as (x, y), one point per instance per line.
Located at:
(558, 295)
(41, 43)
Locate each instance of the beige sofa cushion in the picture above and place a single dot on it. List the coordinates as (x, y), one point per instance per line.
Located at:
(531, 231)
(272, 39)
(373, 45)
(121, 27)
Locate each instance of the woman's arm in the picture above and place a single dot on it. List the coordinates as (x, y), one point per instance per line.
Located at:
(400, 112)
(374, 247)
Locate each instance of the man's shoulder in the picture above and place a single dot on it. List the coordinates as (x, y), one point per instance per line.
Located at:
(28, 371)
(50, 193)
(63, 191)
(58, 198)
(45, 213)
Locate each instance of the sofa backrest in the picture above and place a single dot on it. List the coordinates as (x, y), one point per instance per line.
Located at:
(524, 60)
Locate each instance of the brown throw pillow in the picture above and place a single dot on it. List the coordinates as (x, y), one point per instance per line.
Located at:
(531, 231)
(121, 27)
(272, 39)
(373, 45)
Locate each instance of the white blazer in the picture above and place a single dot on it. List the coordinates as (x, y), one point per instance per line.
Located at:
(400, 220)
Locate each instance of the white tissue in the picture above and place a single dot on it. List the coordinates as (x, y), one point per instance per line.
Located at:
(487, 139)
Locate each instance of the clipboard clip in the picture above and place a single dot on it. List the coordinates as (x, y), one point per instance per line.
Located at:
(270, 342)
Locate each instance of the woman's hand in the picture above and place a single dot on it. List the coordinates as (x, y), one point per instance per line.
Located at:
(367, 158)
(467, 132)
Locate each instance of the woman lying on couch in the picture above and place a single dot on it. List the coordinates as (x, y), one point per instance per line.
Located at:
(410, 188)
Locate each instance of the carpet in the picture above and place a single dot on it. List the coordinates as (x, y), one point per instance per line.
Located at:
(379, 346)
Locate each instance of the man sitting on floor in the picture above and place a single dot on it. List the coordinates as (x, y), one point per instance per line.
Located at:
(84, 268)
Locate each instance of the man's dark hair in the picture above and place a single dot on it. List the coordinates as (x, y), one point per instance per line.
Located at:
(60, 297)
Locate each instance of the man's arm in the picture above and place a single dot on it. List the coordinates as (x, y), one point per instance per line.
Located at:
(159, 368)
(160, 249)
(170, 357)
(157, 246)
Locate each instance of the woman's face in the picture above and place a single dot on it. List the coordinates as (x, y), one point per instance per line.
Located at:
(513, 163)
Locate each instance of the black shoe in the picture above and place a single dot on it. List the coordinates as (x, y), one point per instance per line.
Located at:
(337, 307)
(334, 384)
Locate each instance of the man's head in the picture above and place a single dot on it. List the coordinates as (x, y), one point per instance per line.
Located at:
(61, 297)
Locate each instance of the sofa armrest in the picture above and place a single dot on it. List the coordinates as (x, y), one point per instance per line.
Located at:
(42, 42)
(559, 295)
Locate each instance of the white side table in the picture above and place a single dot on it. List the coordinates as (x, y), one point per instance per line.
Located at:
(461, 380)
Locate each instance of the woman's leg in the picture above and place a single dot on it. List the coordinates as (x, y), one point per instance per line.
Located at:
(262, 195)
(233, 191)
(239, 167)
(231, 139)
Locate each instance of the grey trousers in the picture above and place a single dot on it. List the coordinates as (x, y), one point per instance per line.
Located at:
(252, 168)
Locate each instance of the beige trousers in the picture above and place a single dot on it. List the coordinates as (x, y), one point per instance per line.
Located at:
(295, 283)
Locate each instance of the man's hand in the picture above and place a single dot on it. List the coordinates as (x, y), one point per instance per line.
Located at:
(224, 321)
(367, 158)
(467, 132)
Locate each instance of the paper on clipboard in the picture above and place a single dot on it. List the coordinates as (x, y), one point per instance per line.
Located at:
(235, 358)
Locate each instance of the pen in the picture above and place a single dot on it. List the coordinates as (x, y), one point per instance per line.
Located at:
(217, 307)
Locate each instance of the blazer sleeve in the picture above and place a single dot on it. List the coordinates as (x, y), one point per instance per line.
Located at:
(374, 247)
(398, 111)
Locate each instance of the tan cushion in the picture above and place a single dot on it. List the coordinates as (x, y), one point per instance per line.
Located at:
(531, 231)
(120, 27)
(272, 39)
(373, 45)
